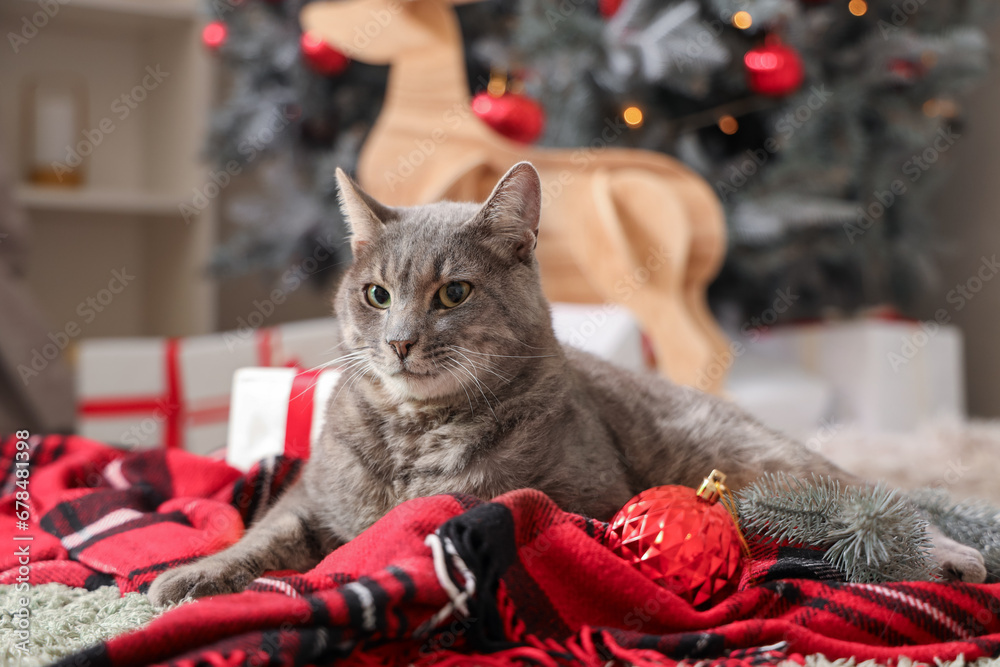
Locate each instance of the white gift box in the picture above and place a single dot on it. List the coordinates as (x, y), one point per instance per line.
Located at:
(608, 330)
(780, 394)
(885, 375)
(158, 392)
(260, 416)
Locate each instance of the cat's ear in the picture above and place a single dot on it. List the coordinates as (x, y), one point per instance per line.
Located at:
(365, 216)
(510, 216)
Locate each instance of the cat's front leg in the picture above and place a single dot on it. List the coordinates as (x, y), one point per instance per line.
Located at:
(286, 538)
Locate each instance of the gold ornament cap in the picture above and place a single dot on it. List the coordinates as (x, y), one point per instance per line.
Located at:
(713, 487)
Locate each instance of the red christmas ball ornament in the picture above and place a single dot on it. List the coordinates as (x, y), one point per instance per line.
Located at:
(321, 56)
(905, 71)
(682, 539)
(774, 69)
(214, 35)
(517, 117)
(608, 8)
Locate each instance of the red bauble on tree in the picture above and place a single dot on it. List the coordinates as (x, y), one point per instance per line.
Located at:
(608, 8)
(322, 57)
(516, 117)
(906, 71)
(774, 69)
(214, 35)
(682, 539)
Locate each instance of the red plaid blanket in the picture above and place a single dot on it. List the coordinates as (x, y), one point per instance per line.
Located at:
(511, 581)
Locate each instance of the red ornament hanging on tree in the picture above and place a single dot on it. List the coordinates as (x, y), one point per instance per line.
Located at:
(214, 35)
(905, 71)
(608, 8)
(774, 69)
(682, 539)
(517, 117)
(321, 56)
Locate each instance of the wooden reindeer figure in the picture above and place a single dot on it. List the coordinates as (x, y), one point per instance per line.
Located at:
(625, 226)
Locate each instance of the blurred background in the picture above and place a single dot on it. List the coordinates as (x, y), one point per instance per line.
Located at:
(167, 174)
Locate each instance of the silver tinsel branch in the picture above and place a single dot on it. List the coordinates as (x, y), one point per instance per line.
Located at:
(871, 534)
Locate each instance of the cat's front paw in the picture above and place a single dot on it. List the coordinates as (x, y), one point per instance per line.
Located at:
(957, 561)
(211, 576)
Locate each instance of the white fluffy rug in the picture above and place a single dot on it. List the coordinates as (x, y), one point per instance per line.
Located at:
(962, 458)
(65, 620)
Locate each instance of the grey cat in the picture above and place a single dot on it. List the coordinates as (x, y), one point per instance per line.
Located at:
(455, 382)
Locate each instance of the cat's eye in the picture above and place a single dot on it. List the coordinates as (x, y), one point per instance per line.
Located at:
(378, 296)
(454, 293)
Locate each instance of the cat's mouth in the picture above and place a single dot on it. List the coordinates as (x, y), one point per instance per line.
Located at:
(417, 384)
(407, 373)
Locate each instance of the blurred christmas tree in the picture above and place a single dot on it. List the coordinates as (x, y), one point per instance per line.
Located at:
(818, 122)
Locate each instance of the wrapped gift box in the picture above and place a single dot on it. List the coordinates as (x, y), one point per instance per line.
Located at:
(885, 375)
(157, 392)
(609, 331)
(276, 411)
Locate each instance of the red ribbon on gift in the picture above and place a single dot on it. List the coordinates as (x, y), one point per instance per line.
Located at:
(301, 403)
(171, 407)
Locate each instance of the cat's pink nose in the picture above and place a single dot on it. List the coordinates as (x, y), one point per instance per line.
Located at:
(402, 347)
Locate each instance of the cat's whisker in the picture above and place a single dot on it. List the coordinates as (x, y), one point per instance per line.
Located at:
(304, 391)
(479, 386)
(364, 371)
(346, 383)
(521, 342)
(353, 354)
(331, 349)
(462, 385)
(344, 362)
(359, 363)
(491, 365)
(316, 380)
(483, 367)
(505, 356)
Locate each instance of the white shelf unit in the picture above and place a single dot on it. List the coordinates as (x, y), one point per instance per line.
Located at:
(127, 214)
